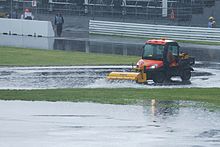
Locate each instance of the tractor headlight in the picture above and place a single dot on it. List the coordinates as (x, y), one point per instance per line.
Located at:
(154, 66)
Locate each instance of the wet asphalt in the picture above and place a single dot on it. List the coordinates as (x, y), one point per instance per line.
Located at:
(95, 77)
(153, 123)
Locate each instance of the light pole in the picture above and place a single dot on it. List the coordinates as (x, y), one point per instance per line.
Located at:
(164, 8)
(11, 10)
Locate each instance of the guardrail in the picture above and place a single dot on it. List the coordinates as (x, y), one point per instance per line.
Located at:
(154, 31)
(26, 27)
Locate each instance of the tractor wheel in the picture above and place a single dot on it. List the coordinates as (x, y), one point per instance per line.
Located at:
(159, 77)
(186, 75)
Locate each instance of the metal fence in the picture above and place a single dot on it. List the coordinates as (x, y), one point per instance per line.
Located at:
(154, 31)
(178, 11)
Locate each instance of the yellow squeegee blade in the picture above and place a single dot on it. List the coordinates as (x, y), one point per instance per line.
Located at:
(123, 76)
(135, 76)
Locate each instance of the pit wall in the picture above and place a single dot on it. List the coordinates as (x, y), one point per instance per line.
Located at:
(26, 27)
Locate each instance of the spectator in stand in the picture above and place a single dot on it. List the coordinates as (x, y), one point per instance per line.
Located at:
(27, 15)
(211, 23)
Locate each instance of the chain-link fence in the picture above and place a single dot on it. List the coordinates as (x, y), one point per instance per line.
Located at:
(150, 11)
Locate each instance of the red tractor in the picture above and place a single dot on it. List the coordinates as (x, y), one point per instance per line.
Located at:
(161, 60)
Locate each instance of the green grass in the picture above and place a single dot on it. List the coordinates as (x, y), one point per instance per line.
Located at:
(34, 57)
(114, 96)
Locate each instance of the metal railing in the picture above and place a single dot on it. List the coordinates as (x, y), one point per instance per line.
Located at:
(178, 12)
(154, 31)
(138, 10)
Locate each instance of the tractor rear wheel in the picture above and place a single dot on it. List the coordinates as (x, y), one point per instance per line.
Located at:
(186, 75)
(159, 77)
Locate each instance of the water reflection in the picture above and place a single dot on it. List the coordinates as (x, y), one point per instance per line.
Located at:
(130, 48)
(163, 108)
(91, 46)
(105, 45)
(69, 45)
(113, 125)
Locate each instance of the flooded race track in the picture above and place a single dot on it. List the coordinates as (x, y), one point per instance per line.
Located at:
(206, 73)
(61, 124)
(95, 77)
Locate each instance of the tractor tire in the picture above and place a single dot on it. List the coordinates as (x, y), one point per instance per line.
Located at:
(186, 75)
(159, 77)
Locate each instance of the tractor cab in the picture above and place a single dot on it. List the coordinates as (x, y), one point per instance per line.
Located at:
(159, 53)
(161, 60)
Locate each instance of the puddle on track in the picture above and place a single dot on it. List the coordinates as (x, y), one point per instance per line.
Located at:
(58, 124)
(91, 77)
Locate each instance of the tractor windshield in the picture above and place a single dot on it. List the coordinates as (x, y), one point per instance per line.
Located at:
(153, 51)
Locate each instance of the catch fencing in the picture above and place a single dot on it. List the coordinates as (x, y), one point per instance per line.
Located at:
(154, 31)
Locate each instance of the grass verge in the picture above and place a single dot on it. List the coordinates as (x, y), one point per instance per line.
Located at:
(114, 96)
(34, 57)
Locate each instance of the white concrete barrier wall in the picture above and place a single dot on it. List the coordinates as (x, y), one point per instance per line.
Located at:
(154, 31)
(26, 27)
(27, 42)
